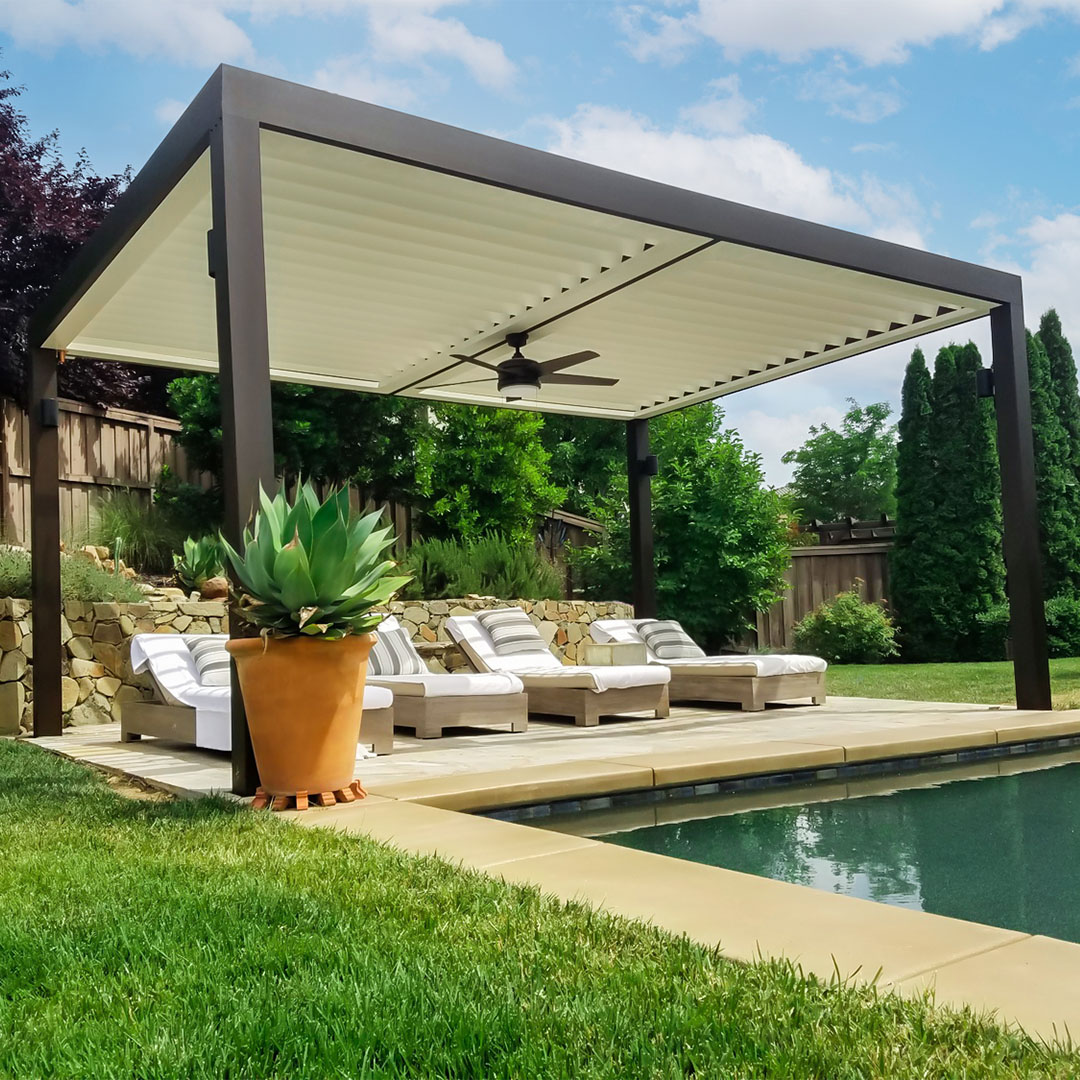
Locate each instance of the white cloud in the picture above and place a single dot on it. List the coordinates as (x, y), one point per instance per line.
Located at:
(204, 32)
(1050, 267)
(354, 77)
(772, 435)
(168, 111)
(853, 101)
(745, 166)
(875, 33)
(178, 30)
(725, 110)
(406, 34)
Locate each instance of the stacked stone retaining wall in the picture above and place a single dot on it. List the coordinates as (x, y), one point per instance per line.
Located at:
(98, 678)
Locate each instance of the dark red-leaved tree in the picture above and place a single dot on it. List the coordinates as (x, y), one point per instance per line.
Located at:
(47, 211)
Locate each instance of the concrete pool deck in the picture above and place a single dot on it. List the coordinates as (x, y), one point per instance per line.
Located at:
(417, 795)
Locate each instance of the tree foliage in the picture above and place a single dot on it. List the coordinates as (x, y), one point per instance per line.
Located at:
(584, 453)
(331, 435)
(850, 472)
(47, 211)
(913, 559)
(948, 564)
(720, 534)
(483, 470)
(467, 471)
(1055, 421)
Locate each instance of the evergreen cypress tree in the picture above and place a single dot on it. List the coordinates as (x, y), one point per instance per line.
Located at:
(1054, 475)
(964, 570)
(982, 567)
(913, 561)
(1067, 407)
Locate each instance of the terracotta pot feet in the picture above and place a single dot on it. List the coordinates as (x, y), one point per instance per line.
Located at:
(302, 799)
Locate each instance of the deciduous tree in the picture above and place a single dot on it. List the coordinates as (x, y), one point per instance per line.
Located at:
(720, 534)
(850, 472)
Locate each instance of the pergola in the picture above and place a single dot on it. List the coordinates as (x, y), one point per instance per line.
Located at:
(280, 232)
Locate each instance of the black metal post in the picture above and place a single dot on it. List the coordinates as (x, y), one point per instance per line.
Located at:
(45, 542)
(235, 251)
(639, 476)
(1020, 511)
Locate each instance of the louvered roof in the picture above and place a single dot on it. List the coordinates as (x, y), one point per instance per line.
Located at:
(380, 265)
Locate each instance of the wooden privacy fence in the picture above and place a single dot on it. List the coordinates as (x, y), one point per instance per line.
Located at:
(817, 574)
(99, 449)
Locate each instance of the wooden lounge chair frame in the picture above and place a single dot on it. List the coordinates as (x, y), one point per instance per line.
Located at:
(177, 722)
(427, 716)
(587, 706)
(750, 692)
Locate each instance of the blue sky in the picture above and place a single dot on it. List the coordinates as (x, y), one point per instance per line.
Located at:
(948, 124)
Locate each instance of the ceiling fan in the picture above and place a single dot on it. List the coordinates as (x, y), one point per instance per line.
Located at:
(520, 378)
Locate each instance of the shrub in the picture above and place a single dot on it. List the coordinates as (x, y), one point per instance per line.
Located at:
(144, 534)
(848, 630)
(200, 560)
(1062, 628)
(79, 579)
(190, 509)
(491, 565)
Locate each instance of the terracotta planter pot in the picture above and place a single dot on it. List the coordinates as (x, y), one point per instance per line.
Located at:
(303, 698)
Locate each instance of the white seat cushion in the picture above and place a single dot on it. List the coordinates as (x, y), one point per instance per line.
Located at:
(598, 678)
(447, 684)
(751, 666)
(377, 697)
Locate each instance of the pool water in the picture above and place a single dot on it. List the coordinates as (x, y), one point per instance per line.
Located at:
(1003, 850)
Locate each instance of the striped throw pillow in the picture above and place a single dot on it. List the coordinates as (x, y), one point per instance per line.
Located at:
(511, 631)
(393, 654)
(211, 661)
(669, 641)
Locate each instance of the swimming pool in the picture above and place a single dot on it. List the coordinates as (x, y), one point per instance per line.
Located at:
(998, 844)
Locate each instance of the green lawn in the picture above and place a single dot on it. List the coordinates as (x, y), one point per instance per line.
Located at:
(167, 939)
(989, 684)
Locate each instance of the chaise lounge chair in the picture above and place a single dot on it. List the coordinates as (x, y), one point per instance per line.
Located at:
(749, 681)
(191, 676)
(505, 640)
(428, 701)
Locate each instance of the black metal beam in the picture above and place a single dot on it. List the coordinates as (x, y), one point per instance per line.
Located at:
(639, 480)
(45, 543)
(1020, 510)
(237, 264)
(316, 114)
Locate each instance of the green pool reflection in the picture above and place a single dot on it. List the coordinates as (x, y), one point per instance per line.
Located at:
(1003, 850)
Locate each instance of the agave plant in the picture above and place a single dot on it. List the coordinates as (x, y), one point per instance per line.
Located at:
(200, 560)
(312, 568)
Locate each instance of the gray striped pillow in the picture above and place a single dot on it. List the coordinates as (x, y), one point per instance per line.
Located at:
(211, 661)
(511, 631)
(393, 654)
(669, 641)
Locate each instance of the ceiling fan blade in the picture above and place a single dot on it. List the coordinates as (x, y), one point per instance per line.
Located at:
(580, 380)
(561, 362)
(473, 360)
(457, 382)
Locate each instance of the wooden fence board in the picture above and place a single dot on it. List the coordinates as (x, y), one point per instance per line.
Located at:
(817, 574)
(100, 449)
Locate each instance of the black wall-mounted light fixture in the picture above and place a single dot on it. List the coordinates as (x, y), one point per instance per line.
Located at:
(984, 382)
(50, 413)
(650, 465)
